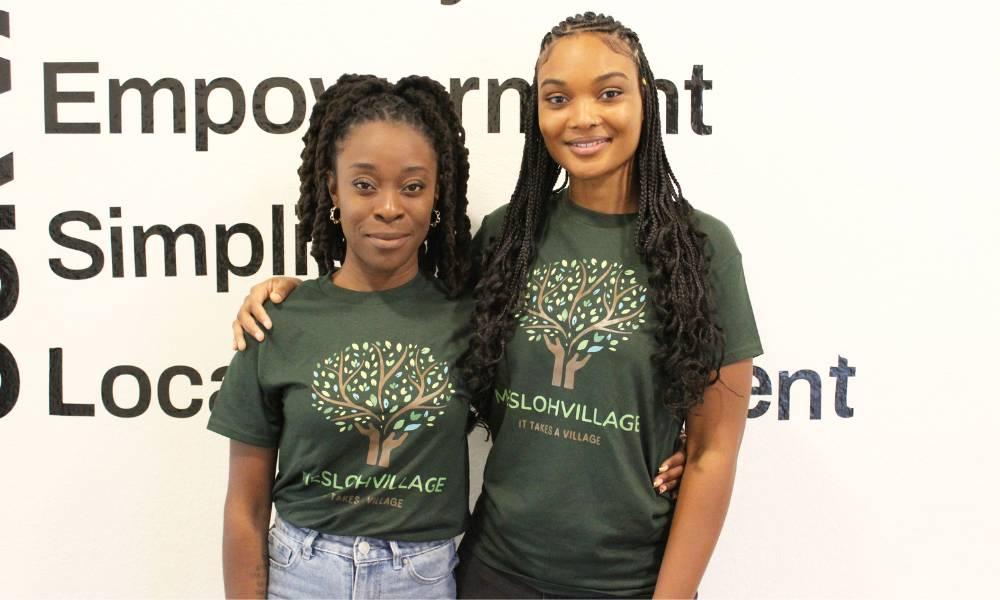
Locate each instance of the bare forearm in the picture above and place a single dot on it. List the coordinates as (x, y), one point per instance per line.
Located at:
(697, 523)
(244, 553)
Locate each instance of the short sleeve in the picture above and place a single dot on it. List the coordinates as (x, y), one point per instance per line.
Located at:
(734, 311)
(243, 410)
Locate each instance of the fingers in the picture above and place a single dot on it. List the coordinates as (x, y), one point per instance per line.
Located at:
(281, 287)
(675, 459)
(258, 312)
(246, 321)
(668, 476)
(239, 343)
(671, 474)
(670, 486)
(252, 314)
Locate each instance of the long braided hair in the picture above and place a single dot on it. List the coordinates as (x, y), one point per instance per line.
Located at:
(421, 103)
(689, 343)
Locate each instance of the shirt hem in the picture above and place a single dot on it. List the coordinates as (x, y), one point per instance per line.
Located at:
(433, 535)
(554, 588)
(742, 353)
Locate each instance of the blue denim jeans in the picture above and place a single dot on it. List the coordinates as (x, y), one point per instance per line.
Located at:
(310, 564)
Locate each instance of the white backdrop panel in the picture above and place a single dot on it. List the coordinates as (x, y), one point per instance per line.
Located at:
(852, 153)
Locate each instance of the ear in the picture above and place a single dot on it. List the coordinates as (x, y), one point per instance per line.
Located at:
(331, 186)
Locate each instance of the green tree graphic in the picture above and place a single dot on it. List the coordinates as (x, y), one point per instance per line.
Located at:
(383, 390)
(579, 308)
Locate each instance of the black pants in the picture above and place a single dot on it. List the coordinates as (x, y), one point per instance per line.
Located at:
(476, 579)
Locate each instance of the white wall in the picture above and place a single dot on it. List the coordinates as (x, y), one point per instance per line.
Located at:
(853, 152)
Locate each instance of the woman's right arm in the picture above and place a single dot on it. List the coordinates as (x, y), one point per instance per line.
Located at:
(246, 520)
(252, 312)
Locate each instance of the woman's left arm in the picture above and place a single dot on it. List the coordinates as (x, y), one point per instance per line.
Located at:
(714, 430)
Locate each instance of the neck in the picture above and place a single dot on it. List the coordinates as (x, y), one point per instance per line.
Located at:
(612, 193)
(363, 280)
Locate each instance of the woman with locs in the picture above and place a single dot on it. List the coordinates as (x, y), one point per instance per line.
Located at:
(625, 311)
(353, 396)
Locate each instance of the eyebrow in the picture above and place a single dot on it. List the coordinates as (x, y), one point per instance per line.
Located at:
(610, 75)
(370, 167)
(597, 79)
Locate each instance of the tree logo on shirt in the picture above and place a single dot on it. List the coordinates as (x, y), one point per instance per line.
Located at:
(579, 308)
(382, 390)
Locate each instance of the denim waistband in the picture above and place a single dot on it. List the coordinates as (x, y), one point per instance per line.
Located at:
(360, 548)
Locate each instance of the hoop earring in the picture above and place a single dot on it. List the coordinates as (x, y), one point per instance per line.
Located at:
(565, 182)
(335, 215)
(437, 217)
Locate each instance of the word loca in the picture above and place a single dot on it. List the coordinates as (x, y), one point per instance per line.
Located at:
(96, 255)
(226, 87)
(140, 400)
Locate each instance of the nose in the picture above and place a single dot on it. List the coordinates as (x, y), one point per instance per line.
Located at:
(389, 208)
(583, 114)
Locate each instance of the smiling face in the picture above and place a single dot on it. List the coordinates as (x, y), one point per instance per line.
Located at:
(589, 106)
(384, 186)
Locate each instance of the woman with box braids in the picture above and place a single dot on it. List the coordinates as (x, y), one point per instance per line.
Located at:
(602, 305)
(689, 342)
(419, 102)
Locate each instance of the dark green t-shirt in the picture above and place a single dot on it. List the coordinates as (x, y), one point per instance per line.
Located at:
(358, 393)
(568, 505)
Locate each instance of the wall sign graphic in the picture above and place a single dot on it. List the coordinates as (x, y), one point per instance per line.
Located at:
(841, 372)
(58, 93)
(10, 377)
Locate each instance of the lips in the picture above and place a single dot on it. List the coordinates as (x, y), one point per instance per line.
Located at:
(588, 146)
(387, 240)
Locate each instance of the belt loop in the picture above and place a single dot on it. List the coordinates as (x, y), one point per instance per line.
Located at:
(397, 556)
(307, 544)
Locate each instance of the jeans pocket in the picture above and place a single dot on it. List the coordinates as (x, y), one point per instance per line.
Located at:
(280, 552)
(433, 565)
